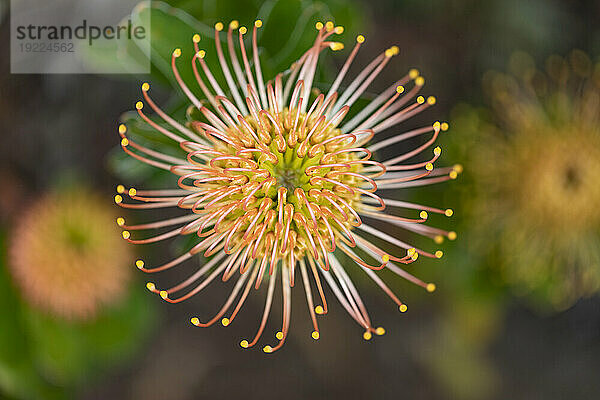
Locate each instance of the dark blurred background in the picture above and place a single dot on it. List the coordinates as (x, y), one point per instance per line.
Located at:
(474, 338)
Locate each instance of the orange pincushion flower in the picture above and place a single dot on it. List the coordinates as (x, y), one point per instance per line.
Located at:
(65, 259)
(273, 180)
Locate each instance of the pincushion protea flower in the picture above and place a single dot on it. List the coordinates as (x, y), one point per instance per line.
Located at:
(276, 182)
(543, 209)
(67, 261)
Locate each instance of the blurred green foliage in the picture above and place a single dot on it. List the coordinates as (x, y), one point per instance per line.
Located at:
(282, 39)
(44, 357)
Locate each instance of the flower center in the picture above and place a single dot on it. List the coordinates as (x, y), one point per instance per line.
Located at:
(560, 187)
(275, 181)
(572, 178)
(288, 178)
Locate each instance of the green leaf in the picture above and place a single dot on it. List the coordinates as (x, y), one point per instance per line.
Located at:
(71, 353)
(18, 376)
(288, 31)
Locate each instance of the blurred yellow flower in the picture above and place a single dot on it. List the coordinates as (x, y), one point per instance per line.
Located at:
(536, 172)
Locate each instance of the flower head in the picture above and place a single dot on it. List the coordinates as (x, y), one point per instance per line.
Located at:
(65, 256)
(277, 179)
(542, 207)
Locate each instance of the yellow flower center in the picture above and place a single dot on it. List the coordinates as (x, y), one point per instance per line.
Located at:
(273, 179)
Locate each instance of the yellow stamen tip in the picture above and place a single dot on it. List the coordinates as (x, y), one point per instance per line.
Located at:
(319, 309)
(336, 46)
(329, 26)
(164, 294)
(449, 212)
(122, 128)
(458, 168)
(437, 151)
(225, 321)
(385, 258)
(234, 24)
(201, 54)
(195, 321)
(315, 335)
(339, 30)
(139, 264)
(445, 126)
(436, 125)
(419, 81)
(439, 254)
(360, 39)
(258, 23)
(139, 105)
(452, 235)
(423, 214)
(439, 239)
(380, 331)
(411, 251)
(126, 235)
(268, 349)
(413, 73)
(420, 99)
(219, 26)
(151, 286)
(118, 199)
(120, 221)
(132, 192)
(415, 256)
(431, 100)
(367, 335)
(196, 38)
(124, 142)
(120, 188)
(177, 52)
(145, 86)
(429, 166)
(453, 175)
(403, 308)
(319, 25)
(243, 30)
(279, 335)
(395, 50)
(389, 53)
(400, 89)
(430, 287)
(244, 344)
